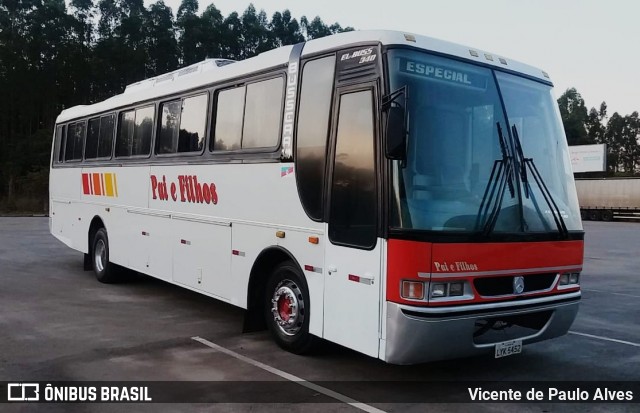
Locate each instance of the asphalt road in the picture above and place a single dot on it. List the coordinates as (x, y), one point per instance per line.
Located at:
(58, 323)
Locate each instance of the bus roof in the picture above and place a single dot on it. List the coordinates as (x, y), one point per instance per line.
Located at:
(215, 70)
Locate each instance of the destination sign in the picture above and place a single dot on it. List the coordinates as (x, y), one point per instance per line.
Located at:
(443, 73)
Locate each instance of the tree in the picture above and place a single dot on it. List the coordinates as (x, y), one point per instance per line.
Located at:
(614, 140)
(161, 40)
(190, 33)
(232, 37)
(212, 31)
(285, 29)
(595, 124)
(317, 29)
(574, 115)
(629, 147)
(53, 57)
(256, 37)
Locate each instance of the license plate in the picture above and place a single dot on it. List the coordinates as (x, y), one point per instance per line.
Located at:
(508, 348)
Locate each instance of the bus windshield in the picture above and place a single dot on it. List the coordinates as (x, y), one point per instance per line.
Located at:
(470, 130)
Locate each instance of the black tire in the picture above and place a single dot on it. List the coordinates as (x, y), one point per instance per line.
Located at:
(286, 309)
(594, 215)
(607, 215)
(105, 271)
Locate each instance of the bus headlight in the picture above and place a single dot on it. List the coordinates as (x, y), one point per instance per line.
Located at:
(456, 289)
(438, 290)
(450, 289)
(569, 278)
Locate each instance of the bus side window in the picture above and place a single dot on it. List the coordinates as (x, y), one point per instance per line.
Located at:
(75, 140)
(143, 130)
(105, 143)
(229, 115)
(125, 133)
(135, 130)
(93, 135)
(183, 124)
(263, 114)
(60, 144)
(312, 132)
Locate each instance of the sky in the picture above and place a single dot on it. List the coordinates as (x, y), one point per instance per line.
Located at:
(592, 45)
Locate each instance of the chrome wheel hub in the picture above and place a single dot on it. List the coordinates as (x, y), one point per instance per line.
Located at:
(100, 255)
(287, 307)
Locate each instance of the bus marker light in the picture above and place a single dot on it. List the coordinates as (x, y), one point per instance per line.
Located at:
(314, 240)
(238, 253)
(413, 290)
(280, 234)
(313, 269)
(185, 242)
(354, 278)
(410, 38)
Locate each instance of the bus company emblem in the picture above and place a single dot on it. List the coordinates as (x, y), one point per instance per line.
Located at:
(186, 189)
(363, 55)
(285, 170)
(100, 184)
(518, 285)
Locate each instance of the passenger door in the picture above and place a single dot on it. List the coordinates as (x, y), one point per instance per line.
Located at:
(353, 252)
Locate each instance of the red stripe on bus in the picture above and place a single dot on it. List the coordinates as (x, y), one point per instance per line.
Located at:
(85, 184)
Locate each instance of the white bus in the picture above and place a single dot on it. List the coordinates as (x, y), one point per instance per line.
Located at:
(402, 196)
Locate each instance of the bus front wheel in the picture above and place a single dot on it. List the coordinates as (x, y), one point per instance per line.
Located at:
(104, 270)
(287, 309)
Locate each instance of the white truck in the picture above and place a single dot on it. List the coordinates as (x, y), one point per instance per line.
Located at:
(603, 199)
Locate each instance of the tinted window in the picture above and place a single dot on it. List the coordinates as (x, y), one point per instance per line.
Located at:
(74, 143)
(142, 131)
(192, 124)
(168, 134)
(183, 125)
(136, 128)
(263, 114)
(313, 128)
(229, 114)
(93, 135)
(352, 219)
(105, 144)
(125, 133)
(59, 146)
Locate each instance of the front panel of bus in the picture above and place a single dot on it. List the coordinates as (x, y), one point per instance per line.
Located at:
(484, 233)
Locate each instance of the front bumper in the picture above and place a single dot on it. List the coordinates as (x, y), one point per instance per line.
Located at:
(419, 334)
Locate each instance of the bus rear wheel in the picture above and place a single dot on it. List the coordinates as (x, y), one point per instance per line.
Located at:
(286, 309)
(104, 270)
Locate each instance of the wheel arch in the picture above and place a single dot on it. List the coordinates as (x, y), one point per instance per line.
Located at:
(264, 264)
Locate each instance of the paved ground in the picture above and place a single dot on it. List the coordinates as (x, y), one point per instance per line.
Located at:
(58, 323)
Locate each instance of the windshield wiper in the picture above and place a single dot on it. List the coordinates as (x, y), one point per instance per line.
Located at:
(546, 194)
(500, 179)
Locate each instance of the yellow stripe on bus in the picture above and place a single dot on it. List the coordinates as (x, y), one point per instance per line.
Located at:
(108, 183)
